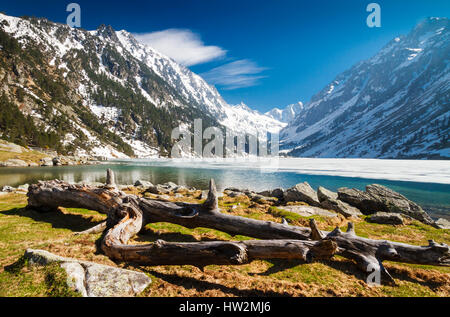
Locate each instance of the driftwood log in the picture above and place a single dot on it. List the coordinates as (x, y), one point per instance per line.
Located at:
(129, 214)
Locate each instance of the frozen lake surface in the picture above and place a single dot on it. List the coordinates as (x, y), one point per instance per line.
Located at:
(425, 182)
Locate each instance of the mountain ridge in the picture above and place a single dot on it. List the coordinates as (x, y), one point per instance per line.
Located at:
(116, 96)
(393, 105)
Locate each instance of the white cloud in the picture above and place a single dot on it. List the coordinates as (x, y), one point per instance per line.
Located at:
(234, 75)
(183, 46)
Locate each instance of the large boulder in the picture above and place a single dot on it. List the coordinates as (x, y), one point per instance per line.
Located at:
(277, 193)
(341, 207)
(92, 279)
(329, 200)
(302, 193)
(380, 198)
(324, 194)
(361, 200)
(387, 218)
(397, 203)
(442, 223)
(140, 183)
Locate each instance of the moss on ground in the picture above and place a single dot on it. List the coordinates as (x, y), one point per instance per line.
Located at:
(21, 229)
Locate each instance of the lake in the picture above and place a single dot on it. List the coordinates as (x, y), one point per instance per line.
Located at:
(425, 182)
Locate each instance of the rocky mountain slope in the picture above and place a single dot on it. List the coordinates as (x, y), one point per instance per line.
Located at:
(394, 105)
(102, 93)
(287, 114)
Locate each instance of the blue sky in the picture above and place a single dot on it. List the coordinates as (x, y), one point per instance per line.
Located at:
(264, 52)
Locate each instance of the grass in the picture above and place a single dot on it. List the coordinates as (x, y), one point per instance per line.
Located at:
(21, 229)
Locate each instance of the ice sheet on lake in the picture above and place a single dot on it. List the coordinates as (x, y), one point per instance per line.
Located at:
(399, 170)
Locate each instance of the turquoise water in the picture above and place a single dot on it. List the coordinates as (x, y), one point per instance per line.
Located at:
(434, 198)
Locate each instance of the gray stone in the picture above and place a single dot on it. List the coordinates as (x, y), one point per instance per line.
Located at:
(233, 189)
(75, 277)
(234, 194)
(140, 183)
(386, 218)
(107, 281)
(360, 200)
(379, 198)
(57, 161)
(308, 211)
(8, 189)
(260, 198)
(325, 194)
(170, 185)
(442, 223)
(92, 279)
(397, 203)
(46, 162)
(341, 207)
(277, 193)
(302, 192)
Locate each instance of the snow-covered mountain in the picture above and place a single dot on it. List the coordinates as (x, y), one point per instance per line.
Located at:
(287, 114)
(394, 105)
(103, 93)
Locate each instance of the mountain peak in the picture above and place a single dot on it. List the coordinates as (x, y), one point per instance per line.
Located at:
(107, 32)
(287, 114)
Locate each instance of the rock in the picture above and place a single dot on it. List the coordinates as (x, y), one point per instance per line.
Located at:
(308, 211)
(277, 193)
(23, 188)
(260, 199)
(57, 161)
(386, 218)
(233, 189)
(107, 281)
(341, 207)
(170, 185)
(204, 194)
(92, 279)
(13, 163)
(236, 194)
(324, 194)
(33, 164)
(442, 223)
(41, 257)
(397, 203)
(379, 198)
(181, 189)
(302, 192)
(46, 162)
(75, 277)
(360, 200)
(8, 189)
(140, 183)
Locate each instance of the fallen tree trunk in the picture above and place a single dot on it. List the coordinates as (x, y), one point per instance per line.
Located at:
(201, 254)
(128, 214)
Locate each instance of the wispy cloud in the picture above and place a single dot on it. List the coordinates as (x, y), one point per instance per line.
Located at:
(182, 45)
(238, 74)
